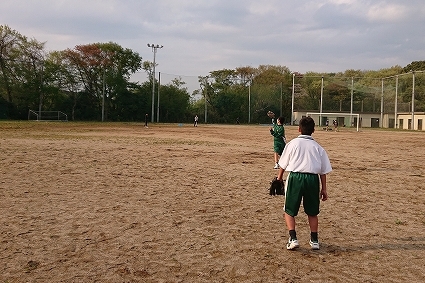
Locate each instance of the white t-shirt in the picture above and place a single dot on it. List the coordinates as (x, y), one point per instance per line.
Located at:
(304, 155)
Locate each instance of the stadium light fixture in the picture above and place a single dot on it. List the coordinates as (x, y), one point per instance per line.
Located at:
(154, 49)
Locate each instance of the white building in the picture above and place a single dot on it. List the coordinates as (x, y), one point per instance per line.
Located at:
(369, 120)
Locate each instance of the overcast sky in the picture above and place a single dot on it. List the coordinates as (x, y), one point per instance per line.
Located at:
(200, 36)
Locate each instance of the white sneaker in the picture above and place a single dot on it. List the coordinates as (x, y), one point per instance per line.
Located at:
(292, 244)
(276, 166)
(314, 245)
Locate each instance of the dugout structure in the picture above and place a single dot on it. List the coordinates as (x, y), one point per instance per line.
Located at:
(47, 116)
(351, 119)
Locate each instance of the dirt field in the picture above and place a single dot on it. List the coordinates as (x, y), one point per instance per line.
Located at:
(93, 202)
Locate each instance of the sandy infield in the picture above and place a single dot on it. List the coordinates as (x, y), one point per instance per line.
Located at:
(118, 202)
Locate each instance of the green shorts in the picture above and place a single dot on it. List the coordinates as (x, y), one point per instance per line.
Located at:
(278, 147)
(305, 187)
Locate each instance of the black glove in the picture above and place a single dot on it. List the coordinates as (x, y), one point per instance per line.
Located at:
(277, 187)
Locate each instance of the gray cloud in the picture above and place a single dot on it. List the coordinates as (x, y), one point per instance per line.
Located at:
(202, 36)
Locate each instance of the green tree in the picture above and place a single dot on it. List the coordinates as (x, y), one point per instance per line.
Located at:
(272, 91)
(226, 93)
(174, 102)
(308, 89)
(22, 71)
(104, 70)
(414, 66)
(9, 57)
(65, 78)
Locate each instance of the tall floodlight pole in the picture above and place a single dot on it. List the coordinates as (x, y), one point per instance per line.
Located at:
(157, 105)
(382, 103)
(249, 102)
(351, 100)
(293, 97)
(205, 98)
(41, 90)
(413, 102)
(103, 96)
(395, 103)
(281, 98)
(154, 49)
(321, 103)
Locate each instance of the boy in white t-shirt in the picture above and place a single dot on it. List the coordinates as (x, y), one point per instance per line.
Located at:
(307, 163)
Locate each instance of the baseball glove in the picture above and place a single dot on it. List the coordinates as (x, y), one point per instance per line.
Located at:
(277, 187)
(270, 114)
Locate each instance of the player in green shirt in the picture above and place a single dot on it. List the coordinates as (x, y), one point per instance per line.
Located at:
(279, 141)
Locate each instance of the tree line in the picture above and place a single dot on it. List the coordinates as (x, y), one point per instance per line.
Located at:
(92, 82)
(88, 82)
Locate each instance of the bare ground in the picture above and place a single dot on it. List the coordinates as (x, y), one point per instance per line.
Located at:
(117, 202)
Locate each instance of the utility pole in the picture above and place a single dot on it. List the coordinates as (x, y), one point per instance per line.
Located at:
(154, 49)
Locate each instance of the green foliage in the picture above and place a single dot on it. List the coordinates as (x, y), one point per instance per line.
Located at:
(88, 78)
(174, 103)
(21, 71)
(414, 66)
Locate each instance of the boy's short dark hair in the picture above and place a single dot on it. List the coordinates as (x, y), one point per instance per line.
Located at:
(306, 126)
(281, 119)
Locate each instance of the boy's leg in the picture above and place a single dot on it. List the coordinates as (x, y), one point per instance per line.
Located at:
(290, 221)
(313, 221)
(293, 196)
(311, 202)
(276, 160)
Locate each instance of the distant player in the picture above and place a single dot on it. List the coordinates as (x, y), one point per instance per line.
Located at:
(146, 120)
(279, 141)
(335, 122)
